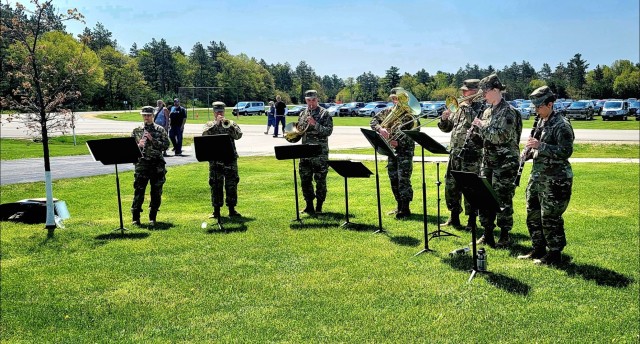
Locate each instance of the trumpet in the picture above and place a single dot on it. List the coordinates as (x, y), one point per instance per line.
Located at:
(453, 104)
(226, 123)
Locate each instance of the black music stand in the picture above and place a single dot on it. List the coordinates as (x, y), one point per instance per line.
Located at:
(114, 151)
(428, 143)
(481, 196)
(349, 169)
(381, 146)
(217, 148)
(294, 152)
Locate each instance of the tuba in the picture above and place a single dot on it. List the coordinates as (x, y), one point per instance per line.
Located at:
(293, 132)
(403, 114)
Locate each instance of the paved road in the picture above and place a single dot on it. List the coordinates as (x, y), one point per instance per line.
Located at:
(253, 143)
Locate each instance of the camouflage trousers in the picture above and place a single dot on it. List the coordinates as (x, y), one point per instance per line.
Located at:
(501, 179)
(224, 175)
(314, 169)
(546, 202)
(400, 170)
(452, 192)
(152, 172)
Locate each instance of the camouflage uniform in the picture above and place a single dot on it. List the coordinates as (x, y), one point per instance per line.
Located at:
(549, 189)
(316, 168)
(501, 130)
(399, 168)
(462, 157)
(224, 173)
(150, 167)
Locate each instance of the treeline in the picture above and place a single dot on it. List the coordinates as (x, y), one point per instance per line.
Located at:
(207, 73)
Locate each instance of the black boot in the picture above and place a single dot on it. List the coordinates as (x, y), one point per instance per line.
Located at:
(487, 238)
(504, 238)
(453, 221)
(403, 210)
(319, 207)
(395, 211)
(551, 258)
(135, 217)
(309, 208)
(536, 253)
(152, 217)
(233, 212)
(471, 223)
(216, 213)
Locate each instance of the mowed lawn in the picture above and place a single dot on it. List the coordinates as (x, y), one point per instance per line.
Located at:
(268, 279)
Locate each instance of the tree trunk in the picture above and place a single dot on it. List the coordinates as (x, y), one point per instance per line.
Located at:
(51, 223)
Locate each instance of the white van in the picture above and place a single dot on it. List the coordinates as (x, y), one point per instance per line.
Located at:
(248, 108)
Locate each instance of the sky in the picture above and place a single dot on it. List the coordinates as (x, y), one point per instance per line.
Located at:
(349, 38)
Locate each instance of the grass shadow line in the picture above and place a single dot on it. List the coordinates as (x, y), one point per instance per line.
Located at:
(122, 236)
(509, 284)
(601, 276)
(405, 240)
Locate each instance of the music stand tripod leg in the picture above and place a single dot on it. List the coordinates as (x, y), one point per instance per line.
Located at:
(346, 204)
(121, 229)
(380, 230)
(439, 232)
(424, 212)
(295, 189)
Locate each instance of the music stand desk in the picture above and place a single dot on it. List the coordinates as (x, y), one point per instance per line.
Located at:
(114, 151)
(293, 152)
(349, 169)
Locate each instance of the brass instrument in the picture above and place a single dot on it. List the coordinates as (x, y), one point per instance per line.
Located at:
(453, 104)
(226, 123)
(405, 112)
(293, 132)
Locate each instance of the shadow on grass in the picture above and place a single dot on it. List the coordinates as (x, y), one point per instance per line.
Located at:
(506, 283)
(405, 240)
(601, 276)
(117, 235)
(229, 225)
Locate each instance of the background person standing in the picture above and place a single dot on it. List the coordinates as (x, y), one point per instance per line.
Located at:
(178, 117)
(315, 168)
(150, 168)
(223, 173)
(500, 128)
(465, 154)
(549, 189)
(161, 118)
(281, 112)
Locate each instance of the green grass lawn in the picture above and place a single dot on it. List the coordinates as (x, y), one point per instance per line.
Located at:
(204, 115)
(272, 280)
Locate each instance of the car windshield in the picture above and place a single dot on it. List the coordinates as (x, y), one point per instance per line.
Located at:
(612, 105)
(370, 106)
(578, 105)
(242, 104)
(634, 104)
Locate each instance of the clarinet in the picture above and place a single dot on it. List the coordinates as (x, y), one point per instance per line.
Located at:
(526, 151)
(469, 132)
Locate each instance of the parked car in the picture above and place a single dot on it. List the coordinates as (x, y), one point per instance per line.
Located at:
(372, 109)
(350, 109)
(333, 110)
(597, 109)
(326, 105)
(615, 109)
(634, 109)
(248, 108)
(432, 108)
(296, 110)
(525, 110)
(559, 108)
(581, 109)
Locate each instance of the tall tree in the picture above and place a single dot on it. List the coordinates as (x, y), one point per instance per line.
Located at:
(98, 38)
(49, 67)
(306, 75)
(391, 78)
(576, 72)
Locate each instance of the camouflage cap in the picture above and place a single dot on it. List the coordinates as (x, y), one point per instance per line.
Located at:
(147, 110)
(310, 94)
(470, 84)
(542, 95)
(176, 100)
(218, 106)
(491, 82)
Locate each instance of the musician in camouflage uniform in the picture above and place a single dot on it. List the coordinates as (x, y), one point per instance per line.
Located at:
(320, 127)
(152, 140)
(549, 189)
(400, 167)
(500, 128)
(465, 153)
(223, 173)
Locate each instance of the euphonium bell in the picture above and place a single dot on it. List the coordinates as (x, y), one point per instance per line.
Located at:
(292, 133)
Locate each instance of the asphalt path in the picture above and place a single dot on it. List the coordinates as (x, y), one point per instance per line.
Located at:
(253, 143)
